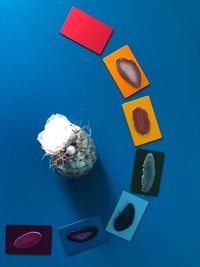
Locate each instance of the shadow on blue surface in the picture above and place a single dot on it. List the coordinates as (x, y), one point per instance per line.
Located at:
(90, 194)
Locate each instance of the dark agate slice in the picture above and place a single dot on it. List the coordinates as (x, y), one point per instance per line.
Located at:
(82, 234)
(28, 240)
(125, 218)
(141, 120)
(149, 173)
(129, 71)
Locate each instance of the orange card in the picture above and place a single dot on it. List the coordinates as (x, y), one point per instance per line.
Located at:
(126, 71)
(142, 121)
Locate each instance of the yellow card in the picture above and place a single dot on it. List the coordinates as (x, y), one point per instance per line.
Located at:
(126, 71)
(141, 121)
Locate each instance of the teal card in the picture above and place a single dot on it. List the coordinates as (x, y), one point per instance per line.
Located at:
(126, 216)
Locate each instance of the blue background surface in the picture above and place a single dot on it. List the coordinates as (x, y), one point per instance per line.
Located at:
(41, 73)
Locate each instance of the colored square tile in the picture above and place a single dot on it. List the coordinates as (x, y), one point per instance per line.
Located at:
(126, 71)
(147, 172)
(139, 206)
(141, 121)
(82, 235)
(28, 239)
(86, 30)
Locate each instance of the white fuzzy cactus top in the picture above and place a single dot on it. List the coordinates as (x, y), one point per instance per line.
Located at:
(58, 133)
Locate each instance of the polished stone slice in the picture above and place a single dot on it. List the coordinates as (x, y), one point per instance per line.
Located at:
(28, 240)
(82, 234)
(125, 218)
(149, 173)
(129, 71)
(141, 120)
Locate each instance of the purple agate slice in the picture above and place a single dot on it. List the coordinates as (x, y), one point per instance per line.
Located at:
(84, 234)
(28, 240)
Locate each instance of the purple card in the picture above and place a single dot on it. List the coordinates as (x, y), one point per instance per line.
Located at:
(28, 239)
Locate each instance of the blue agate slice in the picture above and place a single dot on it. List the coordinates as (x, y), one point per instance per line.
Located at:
(149, 173)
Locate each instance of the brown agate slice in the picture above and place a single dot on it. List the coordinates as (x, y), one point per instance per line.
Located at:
(141, 120)
(129, 71)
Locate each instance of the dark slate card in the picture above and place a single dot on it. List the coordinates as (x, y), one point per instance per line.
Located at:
(147, 172)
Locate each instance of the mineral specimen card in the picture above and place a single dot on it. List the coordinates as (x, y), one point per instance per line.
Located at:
(147, 172)
(126, 216)
(126, 71)
(141, 121)
(86, 30)
(82, 235)
(28, 239)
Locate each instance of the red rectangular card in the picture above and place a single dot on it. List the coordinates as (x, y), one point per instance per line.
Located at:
(86, 30)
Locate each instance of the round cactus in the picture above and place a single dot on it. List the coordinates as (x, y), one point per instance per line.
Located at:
(71, 150)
